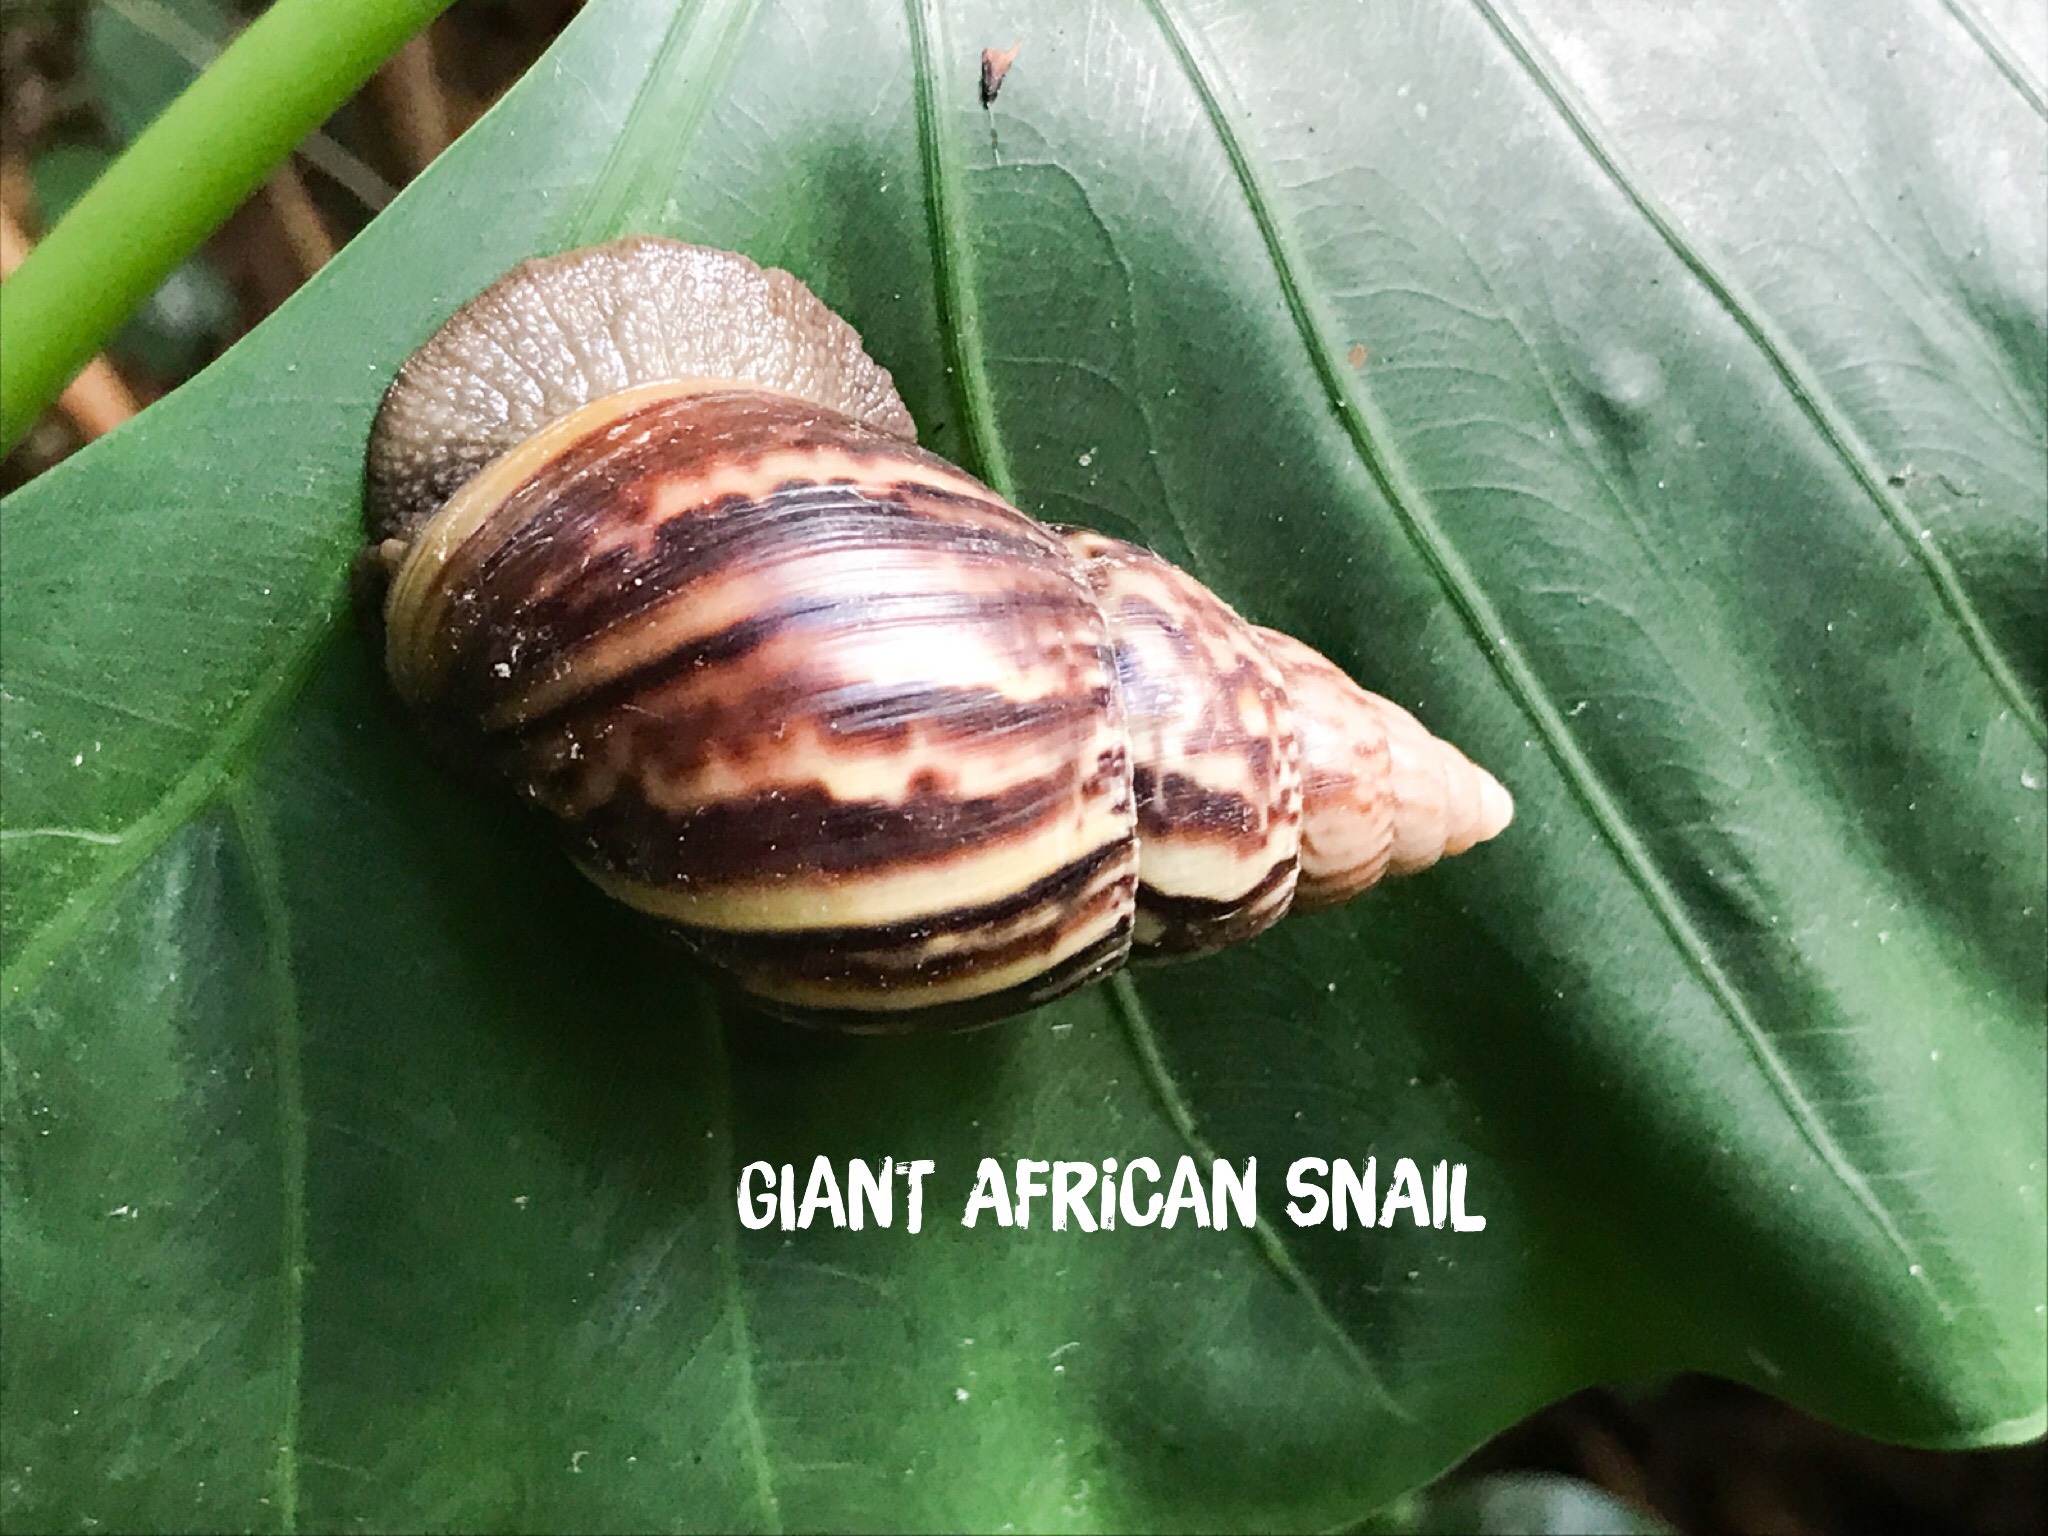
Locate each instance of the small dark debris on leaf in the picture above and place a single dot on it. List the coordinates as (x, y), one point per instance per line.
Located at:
(995, 64)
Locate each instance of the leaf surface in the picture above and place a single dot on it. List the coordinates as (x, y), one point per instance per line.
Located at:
(1654, 405)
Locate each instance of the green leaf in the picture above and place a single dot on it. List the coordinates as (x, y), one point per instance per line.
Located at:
(1655, 406)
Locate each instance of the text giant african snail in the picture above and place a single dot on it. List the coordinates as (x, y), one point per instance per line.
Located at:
(662, 556)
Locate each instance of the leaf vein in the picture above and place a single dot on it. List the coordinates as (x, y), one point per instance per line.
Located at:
(1794, 372)
(952, 256)
(180, 801)
(252, 831)
(663, 118)
(1371, 438)
(747, 1402)
(1999, 52)
(1144, 1042)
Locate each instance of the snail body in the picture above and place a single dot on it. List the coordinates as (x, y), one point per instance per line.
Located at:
(658, 552)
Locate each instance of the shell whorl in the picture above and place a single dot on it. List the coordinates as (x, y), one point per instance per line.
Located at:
(813, 696)
(887, 749)
(1215, 760)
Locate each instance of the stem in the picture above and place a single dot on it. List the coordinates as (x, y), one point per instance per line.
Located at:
(179, 181)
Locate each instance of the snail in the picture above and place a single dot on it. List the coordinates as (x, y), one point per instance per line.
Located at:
(651, 543)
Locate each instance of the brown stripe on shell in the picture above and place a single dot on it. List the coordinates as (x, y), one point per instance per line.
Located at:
(970, 696)
(1171, 803)
(898, 1013)
(805, 831)
(621, 526)
(539, 627)
(883, 981)
(1059, 890)
(1089, 898)
(817, 615)
(952, 967)
(632, 473)
(689, 736)
(1178, 927)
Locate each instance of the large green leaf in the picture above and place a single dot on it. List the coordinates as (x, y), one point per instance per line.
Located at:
(1654, 403)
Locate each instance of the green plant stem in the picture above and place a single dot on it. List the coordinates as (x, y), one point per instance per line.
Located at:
(179, 181)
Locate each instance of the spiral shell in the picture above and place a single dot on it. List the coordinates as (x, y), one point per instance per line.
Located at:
(885, 748)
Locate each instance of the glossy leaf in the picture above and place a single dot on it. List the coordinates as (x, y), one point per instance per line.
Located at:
(1654, 405)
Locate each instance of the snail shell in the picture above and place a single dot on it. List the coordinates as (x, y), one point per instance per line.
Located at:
(658, 552)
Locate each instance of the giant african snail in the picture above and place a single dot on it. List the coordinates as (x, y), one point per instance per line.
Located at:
(661, 555)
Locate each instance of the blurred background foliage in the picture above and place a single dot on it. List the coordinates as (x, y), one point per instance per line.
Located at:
(84, 77)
